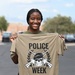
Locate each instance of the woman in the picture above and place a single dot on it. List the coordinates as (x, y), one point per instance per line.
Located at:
(36, 54)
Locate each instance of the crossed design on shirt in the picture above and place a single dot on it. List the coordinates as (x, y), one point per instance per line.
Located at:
(38, 59)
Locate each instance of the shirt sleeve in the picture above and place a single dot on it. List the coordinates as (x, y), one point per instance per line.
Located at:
(61, 46)
(13, 49)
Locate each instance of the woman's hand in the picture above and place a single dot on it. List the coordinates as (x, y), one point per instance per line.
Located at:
(13, 37)
(61, 36)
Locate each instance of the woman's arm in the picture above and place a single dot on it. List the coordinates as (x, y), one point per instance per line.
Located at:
(14, 57)
(13, 53)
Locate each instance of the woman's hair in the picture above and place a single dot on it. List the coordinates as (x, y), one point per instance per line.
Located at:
(30, 12)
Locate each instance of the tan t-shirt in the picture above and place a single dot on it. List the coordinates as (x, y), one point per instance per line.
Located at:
(38, 53)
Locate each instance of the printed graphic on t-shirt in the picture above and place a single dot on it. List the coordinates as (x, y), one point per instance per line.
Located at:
(38, 61)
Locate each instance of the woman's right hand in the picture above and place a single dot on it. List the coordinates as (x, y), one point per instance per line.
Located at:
(13, 37)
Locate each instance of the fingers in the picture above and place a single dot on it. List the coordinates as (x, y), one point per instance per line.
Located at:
(13, 37)
(61, 36)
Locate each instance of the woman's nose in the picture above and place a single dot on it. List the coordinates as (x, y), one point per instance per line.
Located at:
(35, 20)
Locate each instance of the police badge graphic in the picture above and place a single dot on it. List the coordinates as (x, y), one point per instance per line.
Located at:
(38, 59)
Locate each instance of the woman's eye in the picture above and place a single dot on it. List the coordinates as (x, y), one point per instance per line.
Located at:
(32, 18)
(36, 19)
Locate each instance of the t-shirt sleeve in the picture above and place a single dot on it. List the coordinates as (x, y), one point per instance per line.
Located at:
(61, 46)
(13, 49)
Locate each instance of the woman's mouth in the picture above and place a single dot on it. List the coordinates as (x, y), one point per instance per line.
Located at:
(35, 26)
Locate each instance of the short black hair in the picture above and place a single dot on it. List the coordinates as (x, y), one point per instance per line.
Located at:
(31, 11)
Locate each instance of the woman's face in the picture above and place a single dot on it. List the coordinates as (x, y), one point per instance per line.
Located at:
(35, 21)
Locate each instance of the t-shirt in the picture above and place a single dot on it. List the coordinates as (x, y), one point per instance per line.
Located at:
(38, 53)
